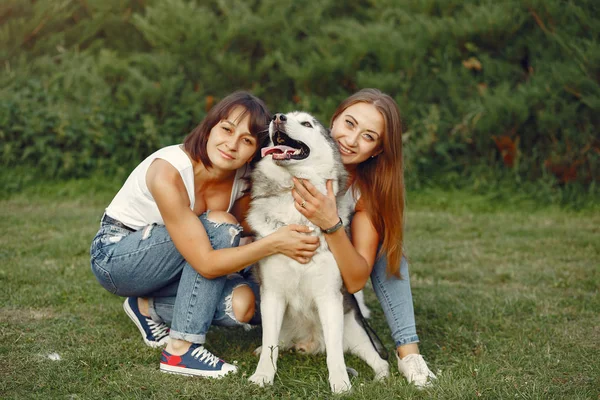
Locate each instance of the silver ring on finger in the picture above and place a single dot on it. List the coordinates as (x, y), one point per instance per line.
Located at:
(303, 203)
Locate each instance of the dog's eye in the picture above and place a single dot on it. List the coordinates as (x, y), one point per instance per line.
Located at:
(307, 124)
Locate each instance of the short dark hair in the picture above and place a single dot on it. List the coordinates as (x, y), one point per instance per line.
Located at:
(195, 141)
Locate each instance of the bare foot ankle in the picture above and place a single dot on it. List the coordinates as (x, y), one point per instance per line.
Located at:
(410, 348)
(177, 347)
(143, 306)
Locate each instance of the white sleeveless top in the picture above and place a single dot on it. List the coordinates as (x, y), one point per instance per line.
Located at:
(134, 205)
(351, 196)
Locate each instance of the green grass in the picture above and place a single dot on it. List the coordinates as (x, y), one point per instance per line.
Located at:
(506, 300)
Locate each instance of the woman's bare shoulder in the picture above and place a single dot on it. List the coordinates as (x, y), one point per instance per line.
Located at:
(163, 177)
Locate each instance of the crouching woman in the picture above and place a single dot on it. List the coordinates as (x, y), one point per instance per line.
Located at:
(169, 240)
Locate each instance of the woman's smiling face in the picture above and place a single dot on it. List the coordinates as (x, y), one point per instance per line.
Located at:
(230, 143)
(358, 131)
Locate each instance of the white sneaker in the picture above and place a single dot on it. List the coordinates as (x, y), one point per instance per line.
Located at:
(414, 368)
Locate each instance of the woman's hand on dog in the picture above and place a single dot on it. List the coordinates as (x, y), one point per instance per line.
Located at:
(293, 241)
(320, 209)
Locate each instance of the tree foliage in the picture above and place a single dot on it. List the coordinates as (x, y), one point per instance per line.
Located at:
(90, 84)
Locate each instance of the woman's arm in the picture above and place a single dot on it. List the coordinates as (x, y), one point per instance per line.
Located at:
(191, 240)
(355, 258)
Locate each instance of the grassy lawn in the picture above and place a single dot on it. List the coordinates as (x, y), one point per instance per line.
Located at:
(506, 300)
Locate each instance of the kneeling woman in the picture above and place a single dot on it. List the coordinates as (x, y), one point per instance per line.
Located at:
(368, 130)
(169, 239)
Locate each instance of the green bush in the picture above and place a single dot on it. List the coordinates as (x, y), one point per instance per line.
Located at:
(99, 84)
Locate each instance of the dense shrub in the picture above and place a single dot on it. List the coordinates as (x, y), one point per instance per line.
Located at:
(100, 84)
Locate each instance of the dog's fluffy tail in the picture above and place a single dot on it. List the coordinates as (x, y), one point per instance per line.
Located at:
(375, 341)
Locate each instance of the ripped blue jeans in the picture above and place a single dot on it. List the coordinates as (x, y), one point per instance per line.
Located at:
(145, 263)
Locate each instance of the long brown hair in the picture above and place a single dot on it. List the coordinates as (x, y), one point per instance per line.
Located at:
(380, 179)
(195, 142)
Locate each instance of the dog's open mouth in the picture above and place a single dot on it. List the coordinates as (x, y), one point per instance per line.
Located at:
(286, 148)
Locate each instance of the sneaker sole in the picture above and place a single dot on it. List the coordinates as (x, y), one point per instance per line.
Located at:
(132, 317)
(170, 369)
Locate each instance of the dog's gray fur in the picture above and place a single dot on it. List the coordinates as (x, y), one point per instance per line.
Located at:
(302, 304)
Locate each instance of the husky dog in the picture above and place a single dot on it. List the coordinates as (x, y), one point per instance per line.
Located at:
(304, 306)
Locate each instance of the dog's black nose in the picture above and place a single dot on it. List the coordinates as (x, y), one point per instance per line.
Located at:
(279, 117)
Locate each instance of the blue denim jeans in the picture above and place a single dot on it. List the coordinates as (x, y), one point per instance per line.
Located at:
(395, 297)
(145, 263)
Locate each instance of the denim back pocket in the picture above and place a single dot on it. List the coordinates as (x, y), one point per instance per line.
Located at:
(100, 253)
(103, 277)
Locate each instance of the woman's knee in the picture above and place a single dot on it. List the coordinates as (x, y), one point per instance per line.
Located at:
(223, 229)
(243, 303)
(221, 217)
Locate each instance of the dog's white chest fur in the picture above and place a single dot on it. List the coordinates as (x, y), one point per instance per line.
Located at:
(302, 304)
(299, 283)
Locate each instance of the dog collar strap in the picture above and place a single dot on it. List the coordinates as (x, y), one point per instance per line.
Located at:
(333, 228)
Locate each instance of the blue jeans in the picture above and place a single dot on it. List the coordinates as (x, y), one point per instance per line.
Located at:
(145, 263)
(395, 297)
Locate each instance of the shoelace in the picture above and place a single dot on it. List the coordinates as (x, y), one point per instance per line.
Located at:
(413, 365)
(159, 331)
(205, 356)
(417, 366)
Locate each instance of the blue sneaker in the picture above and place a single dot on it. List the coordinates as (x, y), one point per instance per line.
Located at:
(154, 334)
(197, 361)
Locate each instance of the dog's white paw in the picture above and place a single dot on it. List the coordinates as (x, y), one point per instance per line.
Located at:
(382, 373)
(340, 387)
(261, 379)
(257, 351)
(340, 383)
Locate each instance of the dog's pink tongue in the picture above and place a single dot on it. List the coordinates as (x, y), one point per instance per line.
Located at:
(265, 151)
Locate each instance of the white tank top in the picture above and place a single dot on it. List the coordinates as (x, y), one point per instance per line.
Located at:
(352, 195)
(134, 205)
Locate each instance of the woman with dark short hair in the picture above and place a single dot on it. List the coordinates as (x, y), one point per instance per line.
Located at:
(169, 239)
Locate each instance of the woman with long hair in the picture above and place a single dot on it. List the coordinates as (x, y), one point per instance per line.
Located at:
(368, 131)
